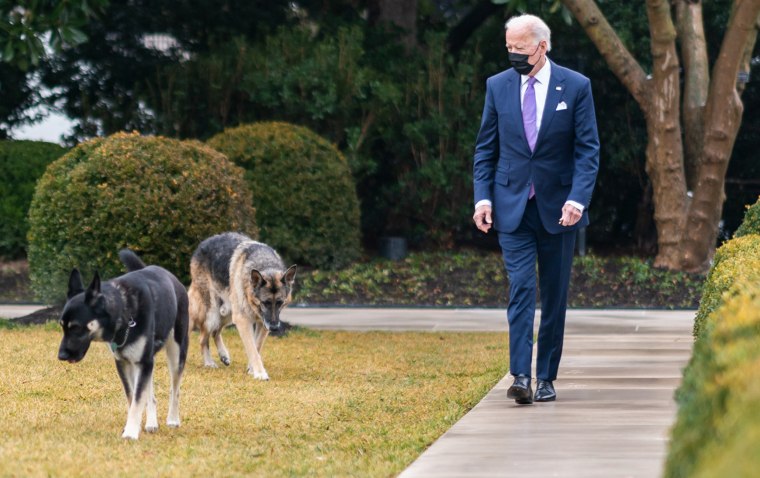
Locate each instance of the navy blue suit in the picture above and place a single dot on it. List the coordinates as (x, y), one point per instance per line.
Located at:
(562, 167)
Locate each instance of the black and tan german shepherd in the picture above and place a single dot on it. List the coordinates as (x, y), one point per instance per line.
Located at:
(236, 279)
(136, 314)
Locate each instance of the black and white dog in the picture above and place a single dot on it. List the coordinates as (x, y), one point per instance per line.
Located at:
(137, 314)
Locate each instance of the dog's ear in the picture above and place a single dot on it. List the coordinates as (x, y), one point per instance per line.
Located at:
(75, 283)
(290, 275)
(94, 288)
(256, 279)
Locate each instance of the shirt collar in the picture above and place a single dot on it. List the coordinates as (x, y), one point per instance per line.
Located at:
(543, 75)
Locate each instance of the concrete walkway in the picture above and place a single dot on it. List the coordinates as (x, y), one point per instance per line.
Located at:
(615, 394)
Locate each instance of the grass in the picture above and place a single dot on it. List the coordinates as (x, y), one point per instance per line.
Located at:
(338, 404)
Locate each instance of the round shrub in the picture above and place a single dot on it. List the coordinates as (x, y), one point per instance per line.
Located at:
(305, 196)
(21, 164)
(159, 197)
(751, 222)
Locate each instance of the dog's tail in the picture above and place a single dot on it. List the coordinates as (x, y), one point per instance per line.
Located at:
(130, 259)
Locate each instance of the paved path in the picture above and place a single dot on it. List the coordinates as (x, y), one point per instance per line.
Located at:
(615, 394)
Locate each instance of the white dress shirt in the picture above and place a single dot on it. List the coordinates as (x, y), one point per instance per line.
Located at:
(541, 87)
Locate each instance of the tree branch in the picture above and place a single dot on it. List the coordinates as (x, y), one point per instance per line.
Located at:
(741, 27)
(459, 35)
(617, 56)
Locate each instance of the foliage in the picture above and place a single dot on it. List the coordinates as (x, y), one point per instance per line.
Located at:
(19, 95)
(105, 82)
(337, 405)
(718, 399)
(751, 223)
(21, 164)
(159, 197)
(24, 27)
(323, 65)
(471, 278)
(738, 258)
(303, 191)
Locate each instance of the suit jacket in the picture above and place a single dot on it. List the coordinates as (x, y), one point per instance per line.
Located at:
(565, 160)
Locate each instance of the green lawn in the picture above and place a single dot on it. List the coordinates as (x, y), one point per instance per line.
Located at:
(337, 404)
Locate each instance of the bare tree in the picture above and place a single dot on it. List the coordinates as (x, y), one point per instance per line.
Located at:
(691, 131)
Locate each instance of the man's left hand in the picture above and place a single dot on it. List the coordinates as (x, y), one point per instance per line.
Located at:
(570, 215)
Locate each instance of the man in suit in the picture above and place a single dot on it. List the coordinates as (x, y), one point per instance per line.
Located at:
(535, 165)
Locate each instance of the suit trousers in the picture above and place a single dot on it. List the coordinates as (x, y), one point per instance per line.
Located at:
(529, 243)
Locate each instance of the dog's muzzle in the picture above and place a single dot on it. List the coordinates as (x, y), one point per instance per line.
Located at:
(71, 356)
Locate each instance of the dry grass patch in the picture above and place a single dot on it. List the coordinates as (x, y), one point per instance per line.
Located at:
(338, 404)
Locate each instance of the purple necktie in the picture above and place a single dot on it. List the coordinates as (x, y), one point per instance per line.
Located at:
(529, 121)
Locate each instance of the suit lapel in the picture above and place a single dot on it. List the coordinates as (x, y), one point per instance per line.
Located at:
(553, 97)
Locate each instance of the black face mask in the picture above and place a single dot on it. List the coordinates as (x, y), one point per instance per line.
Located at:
(520, 63)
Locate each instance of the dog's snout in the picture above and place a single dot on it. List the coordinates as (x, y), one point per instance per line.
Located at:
(63, 354)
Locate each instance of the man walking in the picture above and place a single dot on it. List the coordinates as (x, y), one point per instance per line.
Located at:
(535, 165)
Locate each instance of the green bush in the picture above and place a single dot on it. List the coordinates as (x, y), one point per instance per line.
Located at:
(751, 222)
(303, 190)
(719, 399)
(737, 258)
(21, 164)
(720, 380)
(159, 197)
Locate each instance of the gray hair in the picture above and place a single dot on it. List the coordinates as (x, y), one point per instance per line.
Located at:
(538, 29)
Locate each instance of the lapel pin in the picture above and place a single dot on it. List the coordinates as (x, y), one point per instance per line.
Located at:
(559, 88)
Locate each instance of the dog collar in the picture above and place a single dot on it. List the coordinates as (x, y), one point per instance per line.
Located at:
(114, 345)
(130, 323)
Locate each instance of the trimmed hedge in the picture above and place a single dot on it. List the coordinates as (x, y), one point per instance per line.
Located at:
(303, 190)
(733, 260)
(160, 197)
(21, 165)
(751, 222)
(718, 416)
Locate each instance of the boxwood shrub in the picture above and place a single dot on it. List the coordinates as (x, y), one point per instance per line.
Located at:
(160, 197)
(717, 432)
(718, 414)
(734, 259)
(751, 222)
(305, 196)
(21, 165)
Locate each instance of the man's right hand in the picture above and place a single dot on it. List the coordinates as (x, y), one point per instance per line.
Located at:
(482, 218)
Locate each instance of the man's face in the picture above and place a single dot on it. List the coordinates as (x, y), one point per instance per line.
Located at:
(519, 40)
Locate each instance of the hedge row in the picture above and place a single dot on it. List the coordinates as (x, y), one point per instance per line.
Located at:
(751, 222)
(21, 165)
(717, 432)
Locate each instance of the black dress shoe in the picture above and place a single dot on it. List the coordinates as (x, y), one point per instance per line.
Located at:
(520, 390)
(545, 391)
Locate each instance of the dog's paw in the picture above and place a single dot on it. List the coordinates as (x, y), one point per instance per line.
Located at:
(130, 435)
(151, 428)
(225, 360)
(258, 375)
(172, 423)
(210, 364)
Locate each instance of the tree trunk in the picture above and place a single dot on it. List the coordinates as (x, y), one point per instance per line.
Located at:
(459, 35)
(696, 82)
(722, 120)
(664, 162)
(687, 229)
